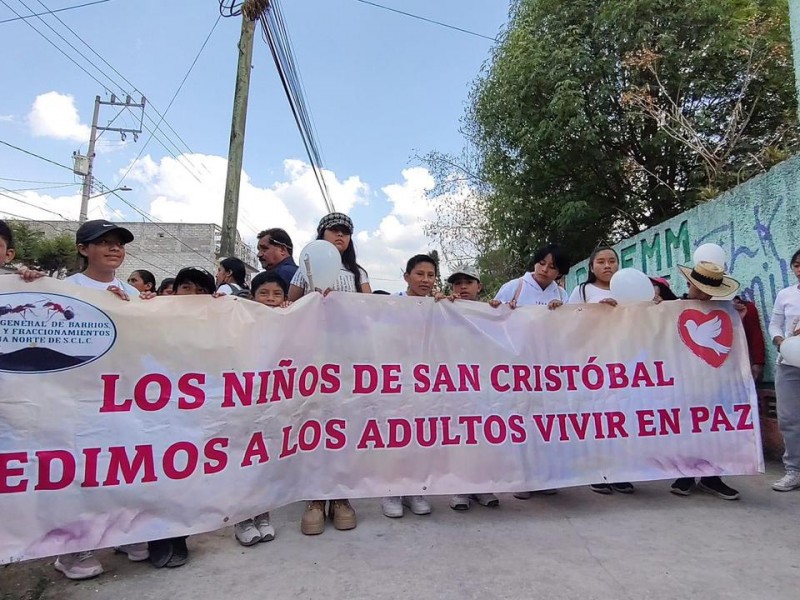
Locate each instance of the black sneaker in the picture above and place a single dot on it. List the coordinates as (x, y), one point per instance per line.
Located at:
(160, 552)
(716, 487)
(180, 553)
(682, 486)
(601, 488)
(623, 487)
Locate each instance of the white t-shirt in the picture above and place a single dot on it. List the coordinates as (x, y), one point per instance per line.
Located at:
(531, 293)
(227, 289)
(786, 313)
(593, 294)
(346, 282)
(84, 281)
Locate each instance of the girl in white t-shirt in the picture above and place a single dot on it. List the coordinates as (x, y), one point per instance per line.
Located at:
(230, 278)
(336, 228)
(603, 263)
(784, 324)
(101, 245)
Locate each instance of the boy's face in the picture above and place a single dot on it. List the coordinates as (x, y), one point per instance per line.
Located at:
(106, 252)
(6, 254)
(466, 288)
(190, 288)
(270, 294)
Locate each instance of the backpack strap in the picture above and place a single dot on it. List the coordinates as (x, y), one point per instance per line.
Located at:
(520, 283)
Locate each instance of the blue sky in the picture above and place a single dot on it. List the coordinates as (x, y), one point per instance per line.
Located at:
(381, 87)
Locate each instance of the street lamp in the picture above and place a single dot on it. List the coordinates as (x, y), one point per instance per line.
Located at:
(85, 201)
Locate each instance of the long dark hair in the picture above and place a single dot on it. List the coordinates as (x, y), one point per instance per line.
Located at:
(349, 259)
(591, 277)
(236, 268)
(147, 277)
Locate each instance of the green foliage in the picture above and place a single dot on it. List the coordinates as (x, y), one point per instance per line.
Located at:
(597, 119)
(35, 250)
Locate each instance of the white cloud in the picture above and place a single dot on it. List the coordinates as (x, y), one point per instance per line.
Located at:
(44, 207)
(7, 118)
(55, 115)
(295, 204)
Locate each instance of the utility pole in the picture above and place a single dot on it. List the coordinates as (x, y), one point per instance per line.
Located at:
(251, 10)
(84, 165)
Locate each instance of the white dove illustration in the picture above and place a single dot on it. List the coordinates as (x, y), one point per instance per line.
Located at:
(705, 335)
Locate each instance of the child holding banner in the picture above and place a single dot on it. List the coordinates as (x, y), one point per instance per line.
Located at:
(706, 281)
(420, 276)
(466, 284)
(336, 228)
(538, 287)
(269, 289)
(101, 245)
(603, 263)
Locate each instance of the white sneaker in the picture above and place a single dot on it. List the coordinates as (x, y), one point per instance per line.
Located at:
(246, 533)
(486, 500)
(392, 506)
(417, 504)
(264, 527)
(136, 552)
(78, 565)
(787, 483)
(459, 502)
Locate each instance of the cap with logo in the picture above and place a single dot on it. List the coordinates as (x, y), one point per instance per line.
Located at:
(464, 271)
(93, 230)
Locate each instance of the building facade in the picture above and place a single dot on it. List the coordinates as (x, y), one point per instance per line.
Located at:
(165, 248)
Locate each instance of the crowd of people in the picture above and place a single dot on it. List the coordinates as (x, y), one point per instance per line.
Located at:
(101, 246)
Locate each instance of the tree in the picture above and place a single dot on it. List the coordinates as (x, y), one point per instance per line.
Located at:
(596, 119)
(35, 250)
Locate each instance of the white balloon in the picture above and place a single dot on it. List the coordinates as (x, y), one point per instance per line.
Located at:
(712, 253)
(790, 351)
(323, 261)
(631, 285)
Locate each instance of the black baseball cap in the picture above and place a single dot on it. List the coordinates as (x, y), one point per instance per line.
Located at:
(93, 230)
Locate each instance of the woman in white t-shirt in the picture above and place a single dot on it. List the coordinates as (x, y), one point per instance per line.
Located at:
(785, 323)
(336, 228)
(603, 263)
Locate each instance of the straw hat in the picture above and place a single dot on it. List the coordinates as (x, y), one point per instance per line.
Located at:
(710, 278)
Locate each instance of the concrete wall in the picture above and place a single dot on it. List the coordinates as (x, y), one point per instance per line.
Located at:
(163, 248)
(757, 223)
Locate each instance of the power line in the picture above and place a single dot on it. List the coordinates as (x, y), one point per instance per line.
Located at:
(52, 162)
(161, 115)
(275, 34)
(35, 181)
(175, 95)
(57, 10)
(88, 60)
(427, 20)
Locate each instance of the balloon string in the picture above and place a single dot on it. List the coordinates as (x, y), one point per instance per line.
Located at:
(307, 261)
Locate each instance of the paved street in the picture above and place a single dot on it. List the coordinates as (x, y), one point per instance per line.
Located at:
(574, 545)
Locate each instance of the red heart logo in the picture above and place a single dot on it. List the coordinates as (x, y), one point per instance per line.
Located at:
(708, 336)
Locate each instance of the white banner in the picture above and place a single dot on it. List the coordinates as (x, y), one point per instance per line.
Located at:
(123, 422)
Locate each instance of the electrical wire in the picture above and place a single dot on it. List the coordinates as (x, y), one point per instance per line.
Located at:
(175, 95)
(275, 34)
(57, 10)
(427, 20)
(52, 162)
(161, 115)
